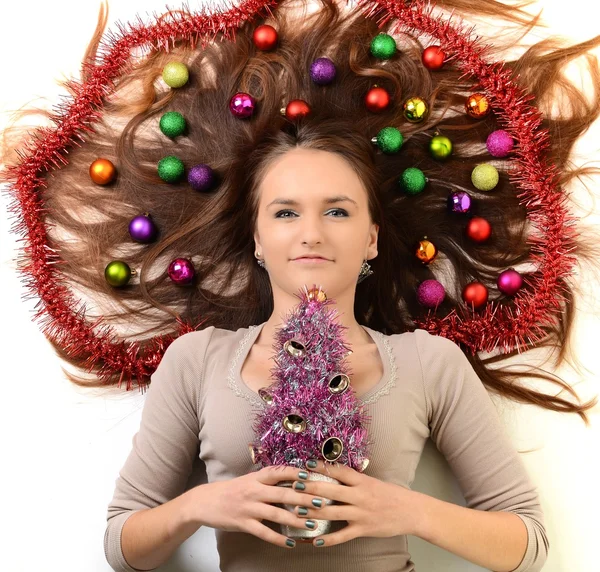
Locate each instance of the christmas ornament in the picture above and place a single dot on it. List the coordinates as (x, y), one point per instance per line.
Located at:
(477, 105)
(377, 99)
(172, 124)
(142, 228)
(181, 271)
(440, 147)
(509, 282)
(389, 140)
(433, 57)
(201, 177)
(296, 109)
(431, 293)
(322, 71)
(412, 181)
(102, 172)
(426, 251)
(499, 143)
(242, 105)
(459, 202)
(383, 46)
(485, 177)
(175, 74)
(171, 169)
(478, 229)
(475, 294)
(117, 273)
(415, 109)
(265, 37)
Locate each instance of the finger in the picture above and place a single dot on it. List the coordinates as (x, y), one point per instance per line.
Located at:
(350, 532)
(273, 474)
(265, 533)
(339, 471)
(322, 489)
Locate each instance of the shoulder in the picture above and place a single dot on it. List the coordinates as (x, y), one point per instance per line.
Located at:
(424, 344)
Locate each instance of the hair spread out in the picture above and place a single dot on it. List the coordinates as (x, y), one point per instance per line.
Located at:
(89, 223)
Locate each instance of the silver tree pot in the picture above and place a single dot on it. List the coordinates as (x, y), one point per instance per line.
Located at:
(322, 526)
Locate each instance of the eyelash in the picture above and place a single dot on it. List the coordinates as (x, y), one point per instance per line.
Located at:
(332, 210)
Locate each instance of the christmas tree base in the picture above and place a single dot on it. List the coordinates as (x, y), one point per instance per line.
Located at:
(323, 526)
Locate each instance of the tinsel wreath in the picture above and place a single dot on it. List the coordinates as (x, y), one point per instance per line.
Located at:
(496, 326)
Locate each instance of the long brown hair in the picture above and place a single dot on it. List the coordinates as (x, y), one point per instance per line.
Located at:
(215, 229)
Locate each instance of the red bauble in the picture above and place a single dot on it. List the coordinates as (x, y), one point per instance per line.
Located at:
(478, 229)
(295, 109)
(377, 99)
(265, 37)
(475, 294)
(433, 57)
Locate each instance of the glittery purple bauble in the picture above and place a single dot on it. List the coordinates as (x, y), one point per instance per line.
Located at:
(181, 271)
(459, 202)
(509, 282)
(322, 71)
(201, 177)
(242, 105)
(142, 229)
(430, 293)
(499, 143)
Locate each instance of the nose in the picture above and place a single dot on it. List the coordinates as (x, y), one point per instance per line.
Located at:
(311, 229)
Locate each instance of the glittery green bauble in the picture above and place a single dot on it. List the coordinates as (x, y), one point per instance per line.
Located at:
(485, 177)
(389, 140)
(412, 181)
(117, 273)
(171, 169)
(172, 124)
(383, 46)
(440, 147)
(415, 109)
(175, 74)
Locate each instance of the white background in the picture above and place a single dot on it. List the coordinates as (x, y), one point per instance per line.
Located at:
(62, 447)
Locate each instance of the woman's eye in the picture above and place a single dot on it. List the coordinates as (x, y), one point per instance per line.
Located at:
(331, 211)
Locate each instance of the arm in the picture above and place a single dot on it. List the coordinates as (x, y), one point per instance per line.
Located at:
(502, 525)
(147, 518)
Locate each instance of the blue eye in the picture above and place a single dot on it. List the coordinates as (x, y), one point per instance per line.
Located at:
(289, 211)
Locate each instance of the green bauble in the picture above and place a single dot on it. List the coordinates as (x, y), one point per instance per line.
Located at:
(171, 169)
(412, 181)
(383, 46)
(175, 74)
(117, 273)
(389, 140)
(440, 147)
(172, 124)
(485, 177)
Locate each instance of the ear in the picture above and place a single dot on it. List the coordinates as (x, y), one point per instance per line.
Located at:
(372, 247)
(257, 247)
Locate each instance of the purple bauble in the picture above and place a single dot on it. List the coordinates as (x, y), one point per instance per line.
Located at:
(181, 271)
(242, 105)
(430, 293)
(322, 71)
(459, 202)
(499, 143)
(201, 177)
(142, 229)
(509, 282)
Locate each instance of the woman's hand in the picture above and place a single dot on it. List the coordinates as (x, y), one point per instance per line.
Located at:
(371, 507)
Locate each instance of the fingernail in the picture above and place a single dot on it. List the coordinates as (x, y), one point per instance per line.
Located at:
(310, 524)
(302, 510)
(299, 486)
(319, 542)
(317, 502)
(311, 464)
(303, 475)
(291, 543)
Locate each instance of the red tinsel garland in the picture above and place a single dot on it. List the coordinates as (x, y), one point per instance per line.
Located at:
(64, 322)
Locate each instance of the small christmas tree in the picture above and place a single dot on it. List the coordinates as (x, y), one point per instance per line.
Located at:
(311, 411)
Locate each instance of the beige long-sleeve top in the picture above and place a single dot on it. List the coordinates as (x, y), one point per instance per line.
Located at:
(197, 404)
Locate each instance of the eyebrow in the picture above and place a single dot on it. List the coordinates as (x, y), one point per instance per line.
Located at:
(326, 200)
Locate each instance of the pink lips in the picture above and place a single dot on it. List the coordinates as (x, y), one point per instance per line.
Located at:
(307, 260)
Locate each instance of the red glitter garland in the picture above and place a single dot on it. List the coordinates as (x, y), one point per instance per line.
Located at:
(63, 317)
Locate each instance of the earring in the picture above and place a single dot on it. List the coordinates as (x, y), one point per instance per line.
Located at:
(261, 262)
(365, 271)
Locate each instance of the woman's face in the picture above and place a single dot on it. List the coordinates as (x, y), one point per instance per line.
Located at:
(295, 218)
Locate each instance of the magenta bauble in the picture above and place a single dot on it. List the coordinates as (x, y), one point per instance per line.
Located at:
(509, 282)
(430, 293)
(181, 271)
(242, 105)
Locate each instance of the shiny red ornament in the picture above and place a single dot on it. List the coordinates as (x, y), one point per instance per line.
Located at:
(475, 294)
(265, 37)
(433, 57)
(377, 99)
(478, 229)
(295, 109)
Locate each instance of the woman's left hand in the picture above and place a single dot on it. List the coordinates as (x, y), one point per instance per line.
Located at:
(372, 507)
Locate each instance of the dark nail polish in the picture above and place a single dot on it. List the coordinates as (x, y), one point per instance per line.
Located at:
(319, 542)
(303, 475)
(291, 543)
(310, 524)
(317, 502)
(302, 511)
(311, 464)
(299, 486)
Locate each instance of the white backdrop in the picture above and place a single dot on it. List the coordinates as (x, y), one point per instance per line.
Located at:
(62, 447)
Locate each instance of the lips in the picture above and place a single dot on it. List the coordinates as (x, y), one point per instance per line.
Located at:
(310, 258)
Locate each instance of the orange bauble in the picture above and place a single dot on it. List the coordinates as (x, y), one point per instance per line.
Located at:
(475, 294)
(295, 109)
(102, 172)
(426, 251)
(477, 105)
(377, 99)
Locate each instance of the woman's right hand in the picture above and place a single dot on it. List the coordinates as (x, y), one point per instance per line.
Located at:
(240, 504)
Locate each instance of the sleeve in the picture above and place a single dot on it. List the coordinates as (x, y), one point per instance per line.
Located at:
(466, 429)
(165, 445)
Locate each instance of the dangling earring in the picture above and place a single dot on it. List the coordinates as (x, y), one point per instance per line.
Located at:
(261, 262)
(365, 271)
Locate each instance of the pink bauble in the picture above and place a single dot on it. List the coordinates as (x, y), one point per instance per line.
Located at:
(181, 271)
(499, 143)
(509, 282)
(242, 105)
(430, 293)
